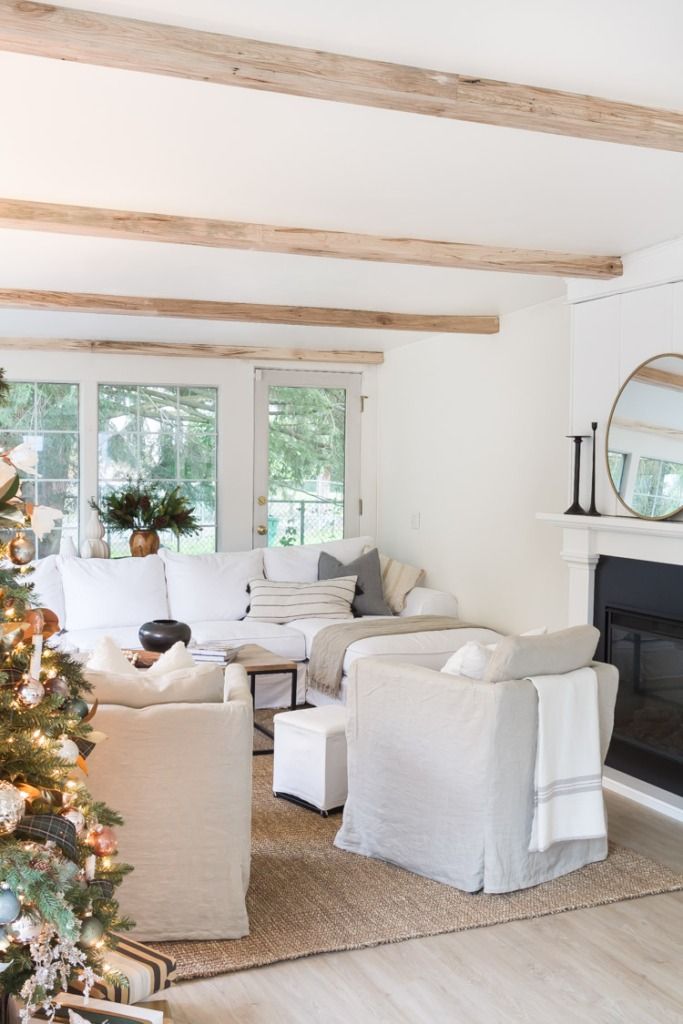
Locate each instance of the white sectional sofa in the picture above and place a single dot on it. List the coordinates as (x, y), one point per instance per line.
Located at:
(101, 597)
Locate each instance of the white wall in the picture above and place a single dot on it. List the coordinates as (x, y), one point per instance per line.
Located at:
(616, 325)
(234, 380)
(472, 440)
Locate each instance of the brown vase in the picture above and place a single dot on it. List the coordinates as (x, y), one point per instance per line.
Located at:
(144, 542)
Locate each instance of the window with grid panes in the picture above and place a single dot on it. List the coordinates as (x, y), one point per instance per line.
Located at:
(45, 415)
(164, 435)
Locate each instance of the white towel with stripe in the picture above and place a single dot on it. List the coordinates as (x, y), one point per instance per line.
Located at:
(568, 800)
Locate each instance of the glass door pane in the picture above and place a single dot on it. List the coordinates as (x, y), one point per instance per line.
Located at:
(306, 465)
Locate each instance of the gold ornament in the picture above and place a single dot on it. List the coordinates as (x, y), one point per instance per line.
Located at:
(11, 807)
(21, 549)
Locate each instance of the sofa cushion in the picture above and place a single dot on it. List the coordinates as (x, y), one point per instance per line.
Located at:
(299, 564)
(517, 657)
(273, 601)
(284, 641)
(309, 628)
(369, 598)
(210, 586)
(103, 592)
(47, 581)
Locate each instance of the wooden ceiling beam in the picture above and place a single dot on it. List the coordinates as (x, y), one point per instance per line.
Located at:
(228, 234)
(47, 30)
(252, 353)
(246, 312)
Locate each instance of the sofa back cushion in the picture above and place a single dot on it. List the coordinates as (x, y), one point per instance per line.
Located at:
(103, 592)
(210, 587)
(517, 657)
(280, 602)
(47, 581)
(300, 564)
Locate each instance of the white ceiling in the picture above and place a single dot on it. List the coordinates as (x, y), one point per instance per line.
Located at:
(89, 135)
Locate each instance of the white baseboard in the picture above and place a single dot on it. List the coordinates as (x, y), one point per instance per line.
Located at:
(644, 794)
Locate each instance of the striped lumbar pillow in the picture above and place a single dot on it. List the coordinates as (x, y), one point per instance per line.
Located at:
(272, 601)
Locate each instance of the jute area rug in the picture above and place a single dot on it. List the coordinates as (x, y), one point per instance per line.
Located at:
(308, 897)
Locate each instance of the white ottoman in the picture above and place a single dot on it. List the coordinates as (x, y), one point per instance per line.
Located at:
(309, 766)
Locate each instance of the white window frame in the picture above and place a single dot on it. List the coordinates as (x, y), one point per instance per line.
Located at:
(351, 382)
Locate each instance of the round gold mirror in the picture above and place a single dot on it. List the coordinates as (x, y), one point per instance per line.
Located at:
(645, 439)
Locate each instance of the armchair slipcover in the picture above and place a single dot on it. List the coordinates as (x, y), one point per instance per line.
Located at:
(180, 776)
(441, 772)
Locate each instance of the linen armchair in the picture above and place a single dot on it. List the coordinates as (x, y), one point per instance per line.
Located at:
(180, 776)
(441, 772)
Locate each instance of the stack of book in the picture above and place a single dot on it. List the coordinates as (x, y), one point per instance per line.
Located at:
(217, 651)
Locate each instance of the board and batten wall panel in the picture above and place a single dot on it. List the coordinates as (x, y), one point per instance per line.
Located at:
(472, 442)
(234, 380)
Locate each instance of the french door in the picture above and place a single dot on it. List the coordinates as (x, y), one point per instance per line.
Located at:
(306, 457)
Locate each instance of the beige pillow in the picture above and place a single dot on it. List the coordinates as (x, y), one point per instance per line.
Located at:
(517, 657)
(201, 684)
(397, 581)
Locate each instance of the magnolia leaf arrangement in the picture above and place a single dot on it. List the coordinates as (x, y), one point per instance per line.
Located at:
(141, 506)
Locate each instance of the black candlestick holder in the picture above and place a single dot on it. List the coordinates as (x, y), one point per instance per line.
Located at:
(592, 511)
(575, 507)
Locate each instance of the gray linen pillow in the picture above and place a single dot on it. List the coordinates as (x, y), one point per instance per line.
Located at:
(517, 657)
(369, 599)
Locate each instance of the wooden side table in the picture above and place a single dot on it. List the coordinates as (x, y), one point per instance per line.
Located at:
(257, 661)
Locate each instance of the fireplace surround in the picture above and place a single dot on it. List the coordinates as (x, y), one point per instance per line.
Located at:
(625, 575)
(639, 612)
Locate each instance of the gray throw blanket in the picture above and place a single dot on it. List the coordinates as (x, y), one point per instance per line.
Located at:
(326, 663)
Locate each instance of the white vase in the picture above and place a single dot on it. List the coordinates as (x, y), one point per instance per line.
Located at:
(94, 545)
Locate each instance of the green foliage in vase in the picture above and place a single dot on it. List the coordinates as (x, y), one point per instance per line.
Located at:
(139, 506)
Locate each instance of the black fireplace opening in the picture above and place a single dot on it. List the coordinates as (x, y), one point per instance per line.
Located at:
(639, 611)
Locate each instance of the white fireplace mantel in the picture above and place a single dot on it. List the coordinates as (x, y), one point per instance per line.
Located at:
(586, 538)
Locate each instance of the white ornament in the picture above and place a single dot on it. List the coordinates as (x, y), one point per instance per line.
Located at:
(94, 545)
(68, 751)
(25, 929)
(76, 817)
(11, 807)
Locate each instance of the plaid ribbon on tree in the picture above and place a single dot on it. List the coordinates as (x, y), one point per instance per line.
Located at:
(85, 747)
(101, 889)
(50, 828)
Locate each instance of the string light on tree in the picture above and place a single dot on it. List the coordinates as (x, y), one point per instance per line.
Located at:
(54, 917)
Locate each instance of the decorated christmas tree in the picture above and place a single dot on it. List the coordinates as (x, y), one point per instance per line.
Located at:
(58, 870)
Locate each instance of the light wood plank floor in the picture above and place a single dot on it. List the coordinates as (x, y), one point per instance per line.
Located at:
(608, 965)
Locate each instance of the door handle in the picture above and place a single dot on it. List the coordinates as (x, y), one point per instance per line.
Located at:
(262, 500)
(262, 530)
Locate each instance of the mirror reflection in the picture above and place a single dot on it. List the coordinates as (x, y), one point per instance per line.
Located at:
(645, 439)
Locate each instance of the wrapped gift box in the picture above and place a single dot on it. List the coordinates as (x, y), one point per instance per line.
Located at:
(147, 971)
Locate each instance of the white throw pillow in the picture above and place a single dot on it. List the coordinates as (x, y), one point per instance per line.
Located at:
(278, 602)
(174, 658)
(210, 587)
(108, 657)
(472, 659)
(100, 593)
(300, 564)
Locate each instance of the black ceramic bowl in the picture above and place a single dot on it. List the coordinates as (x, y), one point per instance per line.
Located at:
(160, 634)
